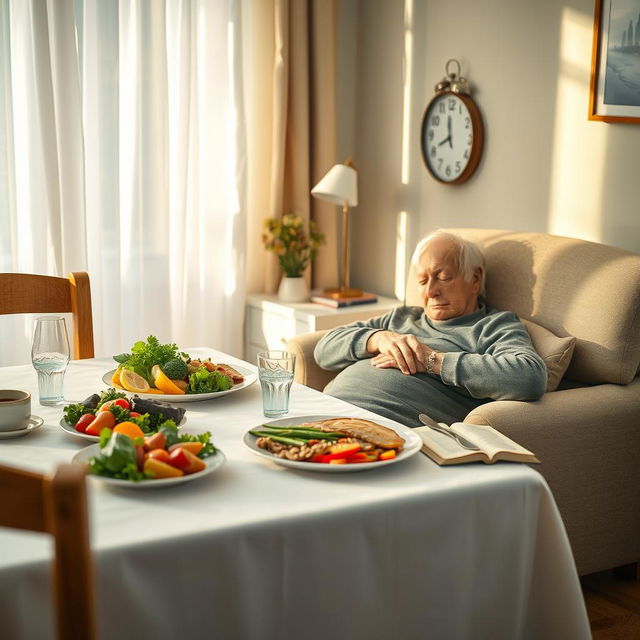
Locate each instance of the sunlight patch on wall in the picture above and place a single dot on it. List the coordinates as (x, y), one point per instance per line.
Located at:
(403, 217)
(401, 255)
(579, 147)
(406, 89)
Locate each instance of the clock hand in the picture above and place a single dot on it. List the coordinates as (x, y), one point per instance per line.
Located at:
(449, 130)
(447, 139)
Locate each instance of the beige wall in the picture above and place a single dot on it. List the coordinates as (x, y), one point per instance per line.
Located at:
(545, 167)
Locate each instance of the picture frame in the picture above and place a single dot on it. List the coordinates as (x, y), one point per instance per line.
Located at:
(614, 94)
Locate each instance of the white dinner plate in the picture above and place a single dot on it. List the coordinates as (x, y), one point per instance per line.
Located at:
(71, 430)
(411, 446)
(213, 463)
(249, 378)
(35, 422)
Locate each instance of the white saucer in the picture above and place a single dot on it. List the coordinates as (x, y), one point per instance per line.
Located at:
(35, 422)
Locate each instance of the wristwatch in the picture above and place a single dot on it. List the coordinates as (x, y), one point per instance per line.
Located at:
(431, 361)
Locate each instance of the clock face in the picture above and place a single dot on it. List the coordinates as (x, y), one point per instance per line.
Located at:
(451, 137)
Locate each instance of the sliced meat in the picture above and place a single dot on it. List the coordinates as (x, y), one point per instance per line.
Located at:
(366, 430)
(228, 370)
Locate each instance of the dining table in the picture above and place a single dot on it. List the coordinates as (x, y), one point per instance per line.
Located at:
(259, 550)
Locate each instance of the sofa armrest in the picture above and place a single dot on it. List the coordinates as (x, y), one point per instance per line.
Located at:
(588, 442)
(307, 371)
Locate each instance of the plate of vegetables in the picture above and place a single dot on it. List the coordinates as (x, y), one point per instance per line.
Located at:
(164, 372)
(110, 408)
(125, 457)
(332, 444)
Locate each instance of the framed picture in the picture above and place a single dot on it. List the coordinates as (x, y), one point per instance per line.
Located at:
(615, 63)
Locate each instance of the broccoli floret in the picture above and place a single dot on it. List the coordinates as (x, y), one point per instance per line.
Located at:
(175, 369)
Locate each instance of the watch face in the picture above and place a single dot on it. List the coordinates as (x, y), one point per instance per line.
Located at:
(448, 138)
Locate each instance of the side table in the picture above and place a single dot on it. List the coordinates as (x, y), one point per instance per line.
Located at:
(270, 323)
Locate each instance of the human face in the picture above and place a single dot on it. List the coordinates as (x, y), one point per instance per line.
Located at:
(444, 291)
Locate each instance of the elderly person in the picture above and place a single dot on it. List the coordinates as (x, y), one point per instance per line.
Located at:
(442, 359)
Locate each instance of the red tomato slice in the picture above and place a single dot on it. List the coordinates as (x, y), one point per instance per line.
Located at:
(84, 421)
(121, 402)
(178, 459)
(183, 459)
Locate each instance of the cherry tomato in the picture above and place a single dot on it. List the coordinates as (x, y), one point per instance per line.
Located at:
(121, 402)
(84, 421)
(134, 414)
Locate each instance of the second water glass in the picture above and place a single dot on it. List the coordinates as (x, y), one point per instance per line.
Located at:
(50, 356)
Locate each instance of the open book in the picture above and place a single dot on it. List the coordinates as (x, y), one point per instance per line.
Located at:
(492, 445)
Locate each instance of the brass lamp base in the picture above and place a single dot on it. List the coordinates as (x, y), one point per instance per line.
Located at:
(343, 292)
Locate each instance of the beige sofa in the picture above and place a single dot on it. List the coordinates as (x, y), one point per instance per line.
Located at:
(586, 433)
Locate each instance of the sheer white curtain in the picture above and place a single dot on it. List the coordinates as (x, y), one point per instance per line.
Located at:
(122, 153)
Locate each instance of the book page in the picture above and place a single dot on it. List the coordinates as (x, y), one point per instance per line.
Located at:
(490, 440)
(445, 447)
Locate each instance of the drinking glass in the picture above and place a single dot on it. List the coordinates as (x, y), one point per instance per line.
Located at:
(275, 372)
(50, 356)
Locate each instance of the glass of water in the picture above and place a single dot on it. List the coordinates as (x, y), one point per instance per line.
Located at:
(50, 356)
(275, 371)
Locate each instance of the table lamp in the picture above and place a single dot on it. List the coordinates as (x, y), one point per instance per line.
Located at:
(340, 186)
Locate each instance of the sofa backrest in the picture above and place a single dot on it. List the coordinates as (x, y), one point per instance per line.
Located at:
(573, 288)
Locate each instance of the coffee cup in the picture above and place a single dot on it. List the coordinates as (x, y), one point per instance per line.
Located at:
(15, 409)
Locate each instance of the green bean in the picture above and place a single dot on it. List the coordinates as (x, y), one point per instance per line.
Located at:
(283, 440)
(303, 427)
(302, 433)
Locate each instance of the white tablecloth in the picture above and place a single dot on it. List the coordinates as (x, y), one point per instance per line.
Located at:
(255, 550)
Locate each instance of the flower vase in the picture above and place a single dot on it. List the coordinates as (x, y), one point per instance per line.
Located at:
(293, 289)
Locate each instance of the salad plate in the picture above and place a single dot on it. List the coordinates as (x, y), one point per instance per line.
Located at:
(249, 378)
(213, 462)
(71, 430)
(412, 445)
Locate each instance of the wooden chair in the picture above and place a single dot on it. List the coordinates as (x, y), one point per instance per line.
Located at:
(29, 293)
(57, 505)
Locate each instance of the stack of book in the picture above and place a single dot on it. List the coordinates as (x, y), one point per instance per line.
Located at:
(337, 302)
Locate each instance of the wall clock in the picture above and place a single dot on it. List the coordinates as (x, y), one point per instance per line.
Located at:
(452, 133)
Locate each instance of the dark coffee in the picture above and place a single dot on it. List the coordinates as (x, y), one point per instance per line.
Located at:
(9, 399)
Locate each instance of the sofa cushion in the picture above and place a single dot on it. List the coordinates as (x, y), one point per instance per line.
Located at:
(554, 350)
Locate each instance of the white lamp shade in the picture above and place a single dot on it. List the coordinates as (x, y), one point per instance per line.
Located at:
(339, 186)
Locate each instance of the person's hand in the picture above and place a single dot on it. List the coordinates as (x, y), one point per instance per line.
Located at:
(398, 350)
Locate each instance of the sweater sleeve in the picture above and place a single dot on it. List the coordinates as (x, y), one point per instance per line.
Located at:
(344, 345)
(506, 366)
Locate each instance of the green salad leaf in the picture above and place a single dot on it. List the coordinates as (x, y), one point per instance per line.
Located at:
(145, 354)
(203, 381)
(117, 458)
(73, 412)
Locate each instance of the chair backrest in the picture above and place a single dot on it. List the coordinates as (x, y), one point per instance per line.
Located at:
(573, 288)
(30, 293)
(57, 505)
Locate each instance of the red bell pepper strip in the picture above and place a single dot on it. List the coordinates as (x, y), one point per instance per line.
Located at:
(337, 452)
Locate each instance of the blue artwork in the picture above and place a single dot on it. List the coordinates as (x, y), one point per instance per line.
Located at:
(622, 76)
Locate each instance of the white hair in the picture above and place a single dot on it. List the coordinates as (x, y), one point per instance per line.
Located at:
(469, 258)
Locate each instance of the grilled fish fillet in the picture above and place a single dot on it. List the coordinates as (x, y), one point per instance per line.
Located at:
(366, 430)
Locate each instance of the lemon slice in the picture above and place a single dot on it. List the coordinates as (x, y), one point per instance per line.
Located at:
(133, 382)
(115, 379)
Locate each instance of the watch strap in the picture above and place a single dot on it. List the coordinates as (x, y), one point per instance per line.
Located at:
(431, 361)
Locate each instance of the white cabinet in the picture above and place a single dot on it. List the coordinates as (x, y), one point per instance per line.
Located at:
(269, 323)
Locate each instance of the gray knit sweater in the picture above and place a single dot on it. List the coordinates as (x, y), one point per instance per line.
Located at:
(488, 355)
